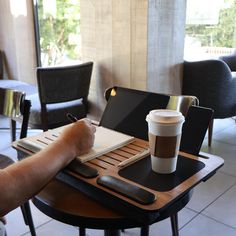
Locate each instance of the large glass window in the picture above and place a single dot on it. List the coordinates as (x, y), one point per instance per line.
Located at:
(210, 28)
(58, 31)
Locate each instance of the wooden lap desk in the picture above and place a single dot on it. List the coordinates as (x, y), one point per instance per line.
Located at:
(76, 207)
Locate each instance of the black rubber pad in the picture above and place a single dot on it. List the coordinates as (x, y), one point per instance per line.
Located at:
(129, 190)
(82, 169)
(186, 168)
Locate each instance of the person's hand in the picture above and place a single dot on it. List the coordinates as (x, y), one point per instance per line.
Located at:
(79, 136)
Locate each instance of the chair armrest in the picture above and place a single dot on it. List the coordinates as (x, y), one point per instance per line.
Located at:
(230, 60)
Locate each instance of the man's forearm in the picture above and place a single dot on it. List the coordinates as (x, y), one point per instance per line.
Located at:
(24, 179)
(28, 176)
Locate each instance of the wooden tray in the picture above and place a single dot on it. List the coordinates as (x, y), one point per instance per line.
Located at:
(168, 188)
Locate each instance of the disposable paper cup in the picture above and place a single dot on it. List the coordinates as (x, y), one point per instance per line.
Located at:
(164, 131)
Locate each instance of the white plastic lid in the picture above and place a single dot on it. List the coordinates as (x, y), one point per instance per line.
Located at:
(165, 116)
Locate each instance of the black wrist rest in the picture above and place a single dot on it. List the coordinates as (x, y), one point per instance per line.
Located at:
(82, 169)
(129, 190)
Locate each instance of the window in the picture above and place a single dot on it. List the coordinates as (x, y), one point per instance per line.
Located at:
(210, 28)
(57, 31)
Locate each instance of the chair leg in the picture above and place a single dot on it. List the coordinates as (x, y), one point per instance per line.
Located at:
(25, 208)
(210, 131)
(24, 126)
(82, 231)
(144, 231)
(174, 224)
(111, 232)
(13, 130)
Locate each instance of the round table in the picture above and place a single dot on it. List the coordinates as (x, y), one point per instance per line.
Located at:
(68, 205)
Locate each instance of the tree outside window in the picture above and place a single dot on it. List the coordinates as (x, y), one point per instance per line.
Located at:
(210, 28)
(59, 31)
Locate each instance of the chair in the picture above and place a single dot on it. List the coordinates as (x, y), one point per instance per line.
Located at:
(211, 81)
(60, 90)
(230, 60)
(13, 104)
(182, 103)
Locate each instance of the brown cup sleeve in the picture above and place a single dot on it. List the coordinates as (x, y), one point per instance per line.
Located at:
(164, 147)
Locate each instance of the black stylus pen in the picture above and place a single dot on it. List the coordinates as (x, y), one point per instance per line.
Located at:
(71, 117)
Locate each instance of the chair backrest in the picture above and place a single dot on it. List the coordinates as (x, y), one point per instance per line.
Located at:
(10, 102)
(109, 92)
(13, 105)
(212, 83)
(126, 111)
(182, 103)
(65, 83)
(230, 60)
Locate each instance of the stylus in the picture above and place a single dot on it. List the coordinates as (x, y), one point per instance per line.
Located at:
(71, 117)
(134, 158)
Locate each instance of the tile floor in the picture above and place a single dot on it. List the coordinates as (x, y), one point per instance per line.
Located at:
(211, 211)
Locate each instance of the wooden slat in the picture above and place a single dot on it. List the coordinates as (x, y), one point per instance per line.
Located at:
(101, 163)
(116, 156)
(135, 147)
(122, 153)
(129, 150)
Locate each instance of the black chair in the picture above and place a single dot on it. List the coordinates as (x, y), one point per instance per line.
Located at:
(60, 90)
(12, 105)
(196, 123)
(211, 81)
(230, 60)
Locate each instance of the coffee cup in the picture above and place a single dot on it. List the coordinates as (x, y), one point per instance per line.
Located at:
(164, 132)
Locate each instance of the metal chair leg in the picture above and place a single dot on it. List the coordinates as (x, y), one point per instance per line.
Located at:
(174, 224)
(25, 208)
(82, 231)
(210, 132)
(111, 232)
(13, 130)
(144, 231)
